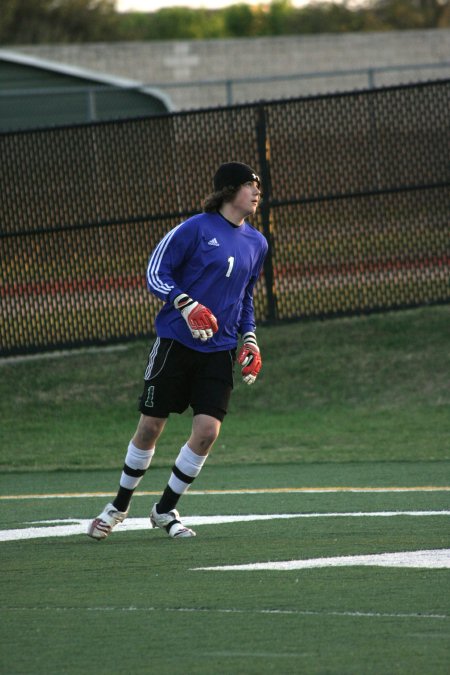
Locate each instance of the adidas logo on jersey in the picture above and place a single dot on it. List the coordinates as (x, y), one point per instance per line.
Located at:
(213, 242)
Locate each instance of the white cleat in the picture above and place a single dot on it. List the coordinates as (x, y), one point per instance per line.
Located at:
(171, 523)
(102, 526)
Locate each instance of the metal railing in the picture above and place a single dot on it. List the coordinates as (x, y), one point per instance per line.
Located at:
(370, 74)
(225, 88)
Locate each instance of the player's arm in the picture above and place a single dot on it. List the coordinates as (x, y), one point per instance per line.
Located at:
(169, 254)
(247, 321)
(249, 357)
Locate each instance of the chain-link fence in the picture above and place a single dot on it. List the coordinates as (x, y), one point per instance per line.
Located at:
(356, 209)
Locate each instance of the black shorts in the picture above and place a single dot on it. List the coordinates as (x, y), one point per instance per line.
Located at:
(177, 377)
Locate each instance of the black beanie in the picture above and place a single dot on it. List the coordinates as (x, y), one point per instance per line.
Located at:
(234, 174)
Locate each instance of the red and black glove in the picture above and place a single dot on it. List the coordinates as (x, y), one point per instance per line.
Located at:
(249, 358)
(201, 321)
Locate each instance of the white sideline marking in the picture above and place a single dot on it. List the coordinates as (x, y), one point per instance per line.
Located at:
(433, 559)
(61, 354)
(234, 610)
(73, 526)
(251, 491)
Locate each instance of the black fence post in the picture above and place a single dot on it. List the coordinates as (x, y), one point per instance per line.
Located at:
(264, 163)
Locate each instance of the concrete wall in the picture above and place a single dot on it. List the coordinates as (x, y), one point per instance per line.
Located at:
(175, 63)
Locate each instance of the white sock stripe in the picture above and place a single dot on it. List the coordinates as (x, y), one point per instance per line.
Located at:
(129, 482)
(189, 462)
(137, 458)
(177, 485)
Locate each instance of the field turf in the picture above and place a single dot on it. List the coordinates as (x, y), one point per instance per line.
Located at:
(340, 451)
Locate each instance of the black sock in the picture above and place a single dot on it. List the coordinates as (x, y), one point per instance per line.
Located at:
(168, 501)
(122, 499)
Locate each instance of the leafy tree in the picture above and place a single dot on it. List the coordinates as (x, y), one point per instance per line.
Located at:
(41, 21)
(239, 20)
(50, 21)
(410, 14)
(278, 17)
(182, 23)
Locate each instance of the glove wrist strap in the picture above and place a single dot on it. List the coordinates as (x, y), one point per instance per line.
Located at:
(182, 301)
(249, 338)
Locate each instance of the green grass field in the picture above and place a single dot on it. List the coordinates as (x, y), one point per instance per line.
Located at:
(342, 450)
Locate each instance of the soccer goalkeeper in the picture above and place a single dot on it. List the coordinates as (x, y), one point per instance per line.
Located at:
(204, 270)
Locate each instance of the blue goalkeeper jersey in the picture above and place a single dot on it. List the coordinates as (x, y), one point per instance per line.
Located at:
(215, 263)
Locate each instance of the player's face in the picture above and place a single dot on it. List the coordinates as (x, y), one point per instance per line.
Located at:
(247, 198)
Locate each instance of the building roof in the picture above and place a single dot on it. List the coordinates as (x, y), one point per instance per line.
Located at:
(64, 80)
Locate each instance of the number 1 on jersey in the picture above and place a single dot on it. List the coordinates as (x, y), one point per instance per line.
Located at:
(230, 266)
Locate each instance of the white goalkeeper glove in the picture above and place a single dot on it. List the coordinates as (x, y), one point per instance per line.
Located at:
(249, 358)
(201, 321)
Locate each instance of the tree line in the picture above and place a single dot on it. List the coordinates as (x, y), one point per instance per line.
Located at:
(67, 21)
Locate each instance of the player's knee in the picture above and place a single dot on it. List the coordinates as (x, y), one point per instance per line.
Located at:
(209, 436)
(148, 431)
(205, 433)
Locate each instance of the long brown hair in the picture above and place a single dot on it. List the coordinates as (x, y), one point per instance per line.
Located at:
(214, 201)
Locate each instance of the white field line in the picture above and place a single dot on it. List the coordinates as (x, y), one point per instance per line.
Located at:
(243, 491)
(60, 354)
(234, 610)
(73, 526)
(433, 559)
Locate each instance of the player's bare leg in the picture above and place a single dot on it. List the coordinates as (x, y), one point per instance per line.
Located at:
(149, 429)
(137, 460)
(205, 430)
(188, 464)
